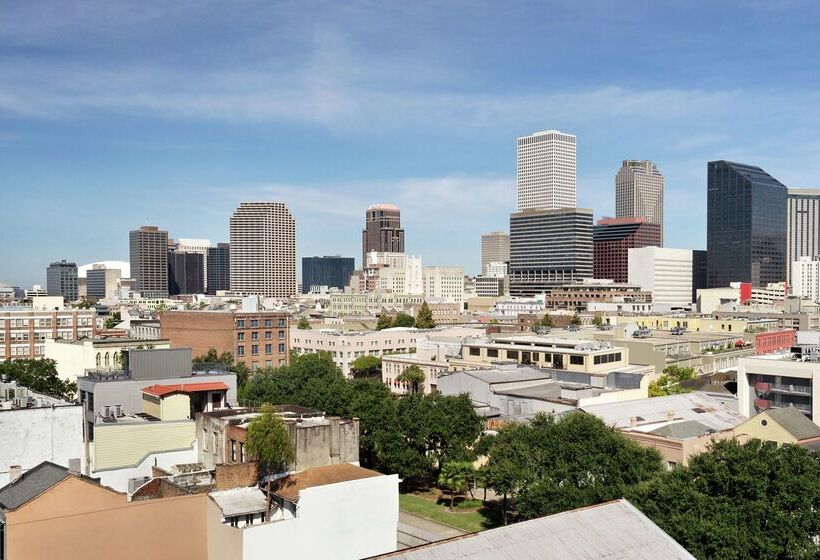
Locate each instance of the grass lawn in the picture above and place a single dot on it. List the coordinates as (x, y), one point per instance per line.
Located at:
(464, 519)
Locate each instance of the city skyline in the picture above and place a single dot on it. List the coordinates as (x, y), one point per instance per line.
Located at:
(344, 126)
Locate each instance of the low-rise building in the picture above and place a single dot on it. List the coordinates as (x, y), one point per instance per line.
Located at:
(25, 329)
(780, 425)
(778, 381)
(774, 341)
(516, 306)
(74, 357)
(581, 294)
(372, 303)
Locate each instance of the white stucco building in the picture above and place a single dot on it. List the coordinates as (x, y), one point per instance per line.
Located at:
(444, 283)
(806, 278)
(667, 273)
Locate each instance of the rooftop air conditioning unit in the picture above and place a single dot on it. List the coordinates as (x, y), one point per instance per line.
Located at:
(21, 402)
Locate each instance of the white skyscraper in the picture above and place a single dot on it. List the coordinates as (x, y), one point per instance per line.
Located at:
(639, 192)
(802, 227)
(263, 250)
(667, 273)
(546, 171)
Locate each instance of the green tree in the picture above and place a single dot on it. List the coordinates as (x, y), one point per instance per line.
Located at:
(303, 324)
(413, 375)
(385, 322)
(112, 320)
(738, 501)
(39, 376)
(668, 383)
(86, 303)
(597, 320)
(576, 320)
(366, 366)
(403, 320)
(212, 356)
(268, 441)
(455, 476)
(424, 318)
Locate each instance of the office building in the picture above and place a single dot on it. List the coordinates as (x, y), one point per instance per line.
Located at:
(611, 240)
(639, 193)
(218, 268)
(545, 170)
(745, 226)
(24, 329)
(149, 261)
(185, 273)
(793, 380)
(396, 273)
(373, 303)
(667, 273)
(806, 278)
(382, 232)
(102, 283)
(61, 280)
(803, 226)
(548, 248)
(495, 248)
(263, 250)
(200, 246)
(699, 263)
(444, 283)
(333, 272)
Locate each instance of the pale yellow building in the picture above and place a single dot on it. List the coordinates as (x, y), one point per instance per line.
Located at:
(780, 425)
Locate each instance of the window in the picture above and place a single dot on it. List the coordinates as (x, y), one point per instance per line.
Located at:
(240, 336)
(241, 451)
(91, 431)
(281, 335)
(255, 335)
(492, 353)
(240, 350)
(254, 323)
(268, 323)
(282, 322)
(576, 360)
(268, 335)
(268, 348)
(475, 351)
(254, 349)
(512, 354)
(281, 347)
(240, 323)
(233, 450)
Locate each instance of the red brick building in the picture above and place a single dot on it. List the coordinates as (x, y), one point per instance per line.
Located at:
(767, 342)
(611, 240)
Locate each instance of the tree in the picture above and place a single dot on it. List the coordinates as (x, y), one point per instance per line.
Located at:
(424, 318)
(668, 383)
(86, 303)
(213, 357)
(738, 501)
(268, 441)
(385, 322)
(597, 320)
(455, 476)
(39, 376)
(403, 320)
(546, 321)
(112, 320)
(303, 324)
(576, 320)
(366, 366)
(413, 375)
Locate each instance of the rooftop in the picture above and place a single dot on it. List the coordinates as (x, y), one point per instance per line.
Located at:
(289, 487)
(163, 390)
(614, 530)
(794, 422)
(240, 501)
(31, 484)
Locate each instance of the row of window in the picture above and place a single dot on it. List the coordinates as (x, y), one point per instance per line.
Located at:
(240, 336)
(254, 323)
(607, 358)
(240, 350)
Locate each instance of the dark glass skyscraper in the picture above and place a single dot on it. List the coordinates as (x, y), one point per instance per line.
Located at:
(185, 273)
(219, 267)
(333, 272)
(61, 280)
(745, 226)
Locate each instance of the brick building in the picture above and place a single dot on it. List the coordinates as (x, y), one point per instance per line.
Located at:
(772, 341)
(611, 240)
(24, 330)
(257, 339)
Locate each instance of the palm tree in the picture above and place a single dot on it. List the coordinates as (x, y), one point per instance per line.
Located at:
(454, 476)
(414, 375)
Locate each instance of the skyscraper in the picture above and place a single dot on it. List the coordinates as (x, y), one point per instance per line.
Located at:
(263, 250)
(185, 273)
(149, 261)
(639, 192)
(803, 227)
(548, 248)
(611, 240)
(382, 231)
(495, 247)
(745, 225)
(333, 272)
(545, 163)
(219, 268)
(61, 280)
(200, 246)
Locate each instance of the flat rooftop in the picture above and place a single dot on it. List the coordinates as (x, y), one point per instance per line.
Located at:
(240, 501)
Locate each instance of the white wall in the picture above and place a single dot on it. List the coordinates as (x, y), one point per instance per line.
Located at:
(667, 273)
(30, 436)
(118, 478)
(344, 521)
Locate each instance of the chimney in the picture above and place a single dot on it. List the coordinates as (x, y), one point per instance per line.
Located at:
(106, 411)
(670, 416)
(633, 421)
(15, 471)
(118, 410)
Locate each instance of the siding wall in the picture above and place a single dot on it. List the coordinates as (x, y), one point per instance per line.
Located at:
(126, 445)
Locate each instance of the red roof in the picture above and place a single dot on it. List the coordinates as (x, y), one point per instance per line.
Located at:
(162, 390)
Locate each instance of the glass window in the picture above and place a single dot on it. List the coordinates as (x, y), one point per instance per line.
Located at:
(576, 360)
(281, 347)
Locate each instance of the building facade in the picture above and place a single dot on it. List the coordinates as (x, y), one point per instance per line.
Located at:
(61, 280)
(382, 230)
(444, 283)
(263, 250)
(345, 347)
(200, 246)
(102, 283)
(803, 226)
(149, 261)
(549, 247)
(666, 273)
(24, 330)
(806, 278)
(185, 273)
(639, 193)
(611, 240)
(333, 272)
(495, 248)
(219, 268)
(545, 170)
(745, 226)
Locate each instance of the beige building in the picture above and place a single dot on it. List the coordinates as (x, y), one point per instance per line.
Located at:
(75, 357)
(149, 261)
(495, 248)
(444, 283)
(786, 425)
(372, 303)
(24, 330)
(639, 192)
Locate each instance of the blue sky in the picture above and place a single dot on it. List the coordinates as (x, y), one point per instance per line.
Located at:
(114, 115)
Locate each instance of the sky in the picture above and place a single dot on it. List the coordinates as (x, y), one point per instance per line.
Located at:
(120, 114)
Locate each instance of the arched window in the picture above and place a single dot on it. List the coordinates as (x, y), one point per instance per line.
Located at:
(107, 360)
(116, 358)
(98, 359)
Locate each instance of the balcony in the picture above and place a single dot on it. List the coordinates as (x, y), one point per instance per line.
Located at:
(789, 388)
(762, 404)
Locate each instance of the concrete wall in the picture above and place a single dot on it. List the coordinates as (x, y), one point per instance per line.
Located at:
(344, 521)
(325, 444)
(30, 436)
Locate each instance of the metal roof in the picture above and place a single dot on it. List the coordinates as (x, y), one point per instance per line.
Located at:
(31, 484)
(612, 531)
(511, 375)
(683, 430)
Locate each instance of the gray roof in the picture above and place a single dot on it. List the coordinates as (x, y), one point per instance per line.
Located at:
(612, 531)
(31, 484)
(509, 375)
(795, 422)
(683, 430)
(540, 391)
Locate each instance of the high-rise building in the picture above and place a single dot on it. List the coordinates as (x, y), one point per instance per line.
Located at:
(639, 192)
(61, 280)
(545, 163)
(495, 247)
(803, 227)
(699, 263)
(263, 250)
(200, 246)
(444, 283)
(218, 268)
(611, 240)
(549, 248)
(333, 272)
(667, 273)
(102, 282)
(382, 230)
(806, 278)
(149, 261)
(745, 225)
(185, 273)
